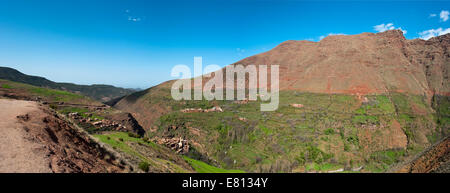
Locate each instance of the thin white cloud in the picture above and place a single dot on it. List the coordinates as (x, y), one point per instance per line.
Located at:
(131, 17)
(336, 34)
(383, 27)
(240, 51)
(134, 19)
(444, 15)
(432, 15)
(389, 26)
(433, 33)
(331, 34)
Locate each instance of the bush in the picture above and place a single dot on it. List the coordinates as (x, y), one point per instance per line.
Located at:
(365, 119)
(7, 86)
(317, 155)
(133, 135)
(346, 147)
(329, 131)
(353, 139)
(144, 166)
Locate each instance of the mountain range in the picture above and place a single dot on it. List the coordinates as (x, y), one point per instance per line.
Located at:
(98, 92)
(372, 102)
(366, 100)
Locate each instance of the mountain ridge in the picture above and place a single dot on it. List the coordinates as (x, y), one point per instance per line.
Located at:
(100, 92)
(369, 63)
(305, 64)
(352, 103)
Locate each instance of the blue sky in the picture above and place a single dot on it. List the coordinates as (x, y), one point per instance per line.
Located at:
(135, 43)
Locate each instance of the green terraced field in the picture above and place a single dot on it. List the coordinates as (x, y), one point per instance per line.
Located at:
(330, 130)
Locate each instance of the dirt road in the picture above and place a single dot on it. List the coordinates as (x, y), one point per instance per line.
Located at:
(17, 153)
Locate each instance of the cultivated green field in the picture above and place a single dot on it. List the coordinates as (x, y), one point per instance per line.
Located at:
(330, 132)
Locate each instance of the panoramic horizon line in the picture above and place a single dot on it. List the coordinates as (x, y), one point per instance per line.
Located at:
(167, 80)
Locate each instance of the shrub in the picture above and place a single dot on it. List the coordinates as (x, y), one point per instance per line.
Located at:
(353, 139)
(317, 155)
(144, 166)
(7, 86)
(346, 147)
(329, 131)
(301, 159)
(133, 135)
(365, 119)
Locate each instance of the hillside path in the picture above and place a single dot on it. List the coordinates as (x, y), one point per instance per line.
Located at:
(17, 153)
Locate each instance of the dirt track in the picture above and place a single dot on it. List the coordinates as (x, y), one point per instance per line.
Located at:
(17, 154)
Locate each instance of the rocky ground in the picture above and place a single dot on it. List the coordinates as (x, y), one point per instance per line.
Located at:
(435, 159)
(35, 139)
(17, 153)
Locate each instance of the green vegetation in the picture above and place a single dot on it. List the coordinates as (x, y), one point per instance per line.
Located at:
(68, 110)
(7, 86)
(203, 104)
(97, 92)
(315, 155)
(329, 131)
(144, 166)
(47, 94)
(151, 156)
(118, 140)
(318, 134)
(381, 160)
(325, 167)
(365, 119)
(442, 106)
(202, 167)
(57, 95)
(353, 140)
(284, 140)
(266, 130)
(84, 112)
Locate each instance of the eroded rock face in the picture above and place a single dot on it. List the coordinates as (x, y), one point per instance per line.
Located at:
(68, 150)
(127, 123)
(359, 65)
(434, 159)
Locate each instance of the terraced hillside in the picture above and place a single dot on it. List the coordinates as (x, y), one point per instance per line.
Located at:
(329, 132)
(112, 140)
(358, 103)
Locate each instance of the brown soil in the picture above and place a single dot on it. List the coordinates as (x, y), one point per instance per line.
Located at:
(130, 124)
(17, 154)
(434, 159)
(379, 138)
(367, 63)
(35, 139)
